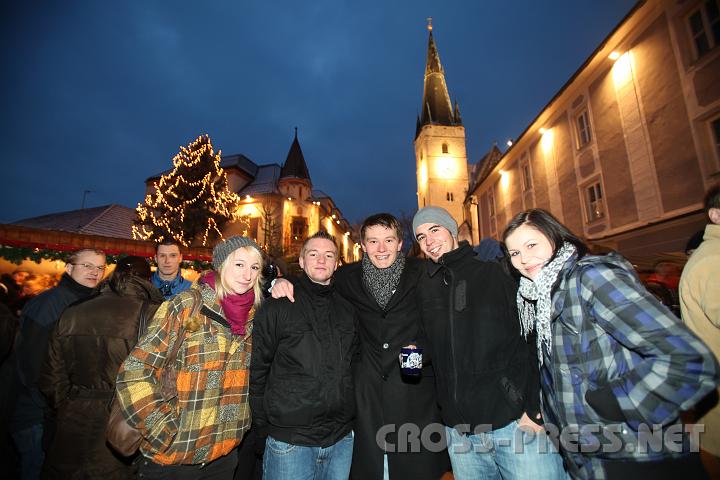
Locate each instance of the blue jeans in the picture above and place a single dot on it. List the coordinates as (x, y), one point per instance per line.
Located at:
(507, 452)
(29, 444)
(285, 461)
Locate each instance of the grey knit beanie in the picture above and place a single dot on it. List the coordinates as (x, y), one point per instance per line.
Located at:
(436, 215)
(229, 245)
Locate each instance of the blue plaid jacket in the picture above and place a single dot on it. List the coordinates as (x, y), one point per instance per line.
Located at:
(610, 333)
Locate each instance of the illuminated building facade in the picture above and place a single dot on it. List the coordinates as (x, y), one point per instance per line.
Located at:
(281, 205)
(441, 161)
(626, 149)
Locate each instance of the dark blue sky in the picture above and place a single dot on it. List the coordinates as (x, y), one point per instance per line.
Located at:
(99, 95)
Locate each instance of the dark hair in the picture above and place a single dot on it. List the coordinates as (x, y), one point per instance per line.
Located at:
(167, 242)
(712, 198)
(320, 234)
(134, 265)
(384, 219)
(549, 226)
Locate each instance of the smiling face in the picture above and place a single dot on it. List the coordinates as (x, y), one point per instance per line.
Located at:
(319, 260)
(435, 240)
(241, 271)
(382, 245)
(529, 250)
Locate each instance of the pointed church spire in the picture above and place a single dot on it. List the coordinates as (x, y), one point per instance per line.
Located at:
(436, 107)
(295, 165)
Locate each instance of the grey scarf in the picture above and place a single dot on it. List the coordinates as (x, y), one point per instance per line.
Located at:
(537, 316)
(382, 282)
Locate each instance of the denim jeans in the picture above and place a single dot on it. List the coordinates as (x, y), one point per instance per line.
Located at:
(285, 461)
(29, 444)
(506, 452)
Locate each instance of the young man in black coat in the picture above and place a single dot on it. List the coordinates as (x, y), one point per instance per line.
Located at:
(383, 289)
(301, 389)
(486, 372)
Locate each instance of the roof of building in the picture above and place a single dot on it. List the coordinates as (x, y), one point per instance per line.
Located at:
(108, 221)
(265, 181)
(437, 109)
(241, 162)
(295, 166)
(484, 167)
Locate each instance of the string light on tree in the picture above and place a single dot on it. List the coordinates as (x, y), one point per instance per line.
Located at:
(191, 203)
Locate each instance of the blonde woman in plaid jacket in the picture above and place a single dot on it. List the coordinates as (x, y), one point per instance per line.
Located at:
(194, 435)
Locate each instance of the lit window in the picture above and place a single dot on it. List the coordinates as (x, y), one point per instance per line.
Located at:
(444, 148)
(704, 26)
(526, 178)
(594, 202)
(582, 128)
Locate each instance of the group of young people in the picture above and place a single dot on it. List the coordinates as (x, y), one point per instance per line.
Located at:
(549, 363)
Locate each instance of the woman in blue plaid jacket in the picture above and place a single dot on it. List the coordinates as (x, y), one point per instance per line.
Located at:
(616, 366)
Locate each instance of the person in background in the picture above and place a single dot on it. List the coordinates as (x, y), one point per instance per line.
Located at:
(700, 309)
(168, 277)
(301, 387)
(614, 360)
(83, 271)
(86, 348)
(486, 374)
(195, 434)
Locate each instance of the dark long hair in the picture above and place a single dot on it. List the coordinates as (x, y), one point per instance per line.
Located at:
(549, 226)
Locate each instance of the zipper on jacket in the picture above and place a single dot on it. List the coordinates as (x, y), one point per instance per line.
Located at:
(451, 306)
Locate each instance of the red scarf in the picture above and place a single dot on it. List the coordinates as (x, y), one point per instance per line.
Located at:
(236, 307)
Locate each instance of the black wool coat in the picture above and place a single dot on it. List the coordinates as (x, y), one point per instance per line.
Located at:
(383, 395)
(86, 348)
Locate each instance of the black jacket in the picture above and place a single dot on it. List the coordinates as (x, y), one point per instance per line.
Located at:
(90, 341)
(37, 321)
(486, 372)
(301, 389)
(384, 396)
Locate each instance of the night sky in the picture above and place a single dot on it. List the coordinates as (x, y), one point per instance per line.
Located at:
(99, 95)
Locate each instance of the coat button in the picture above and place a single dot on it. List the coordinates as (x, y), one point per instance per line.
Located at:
(384, 377)
(385, 346)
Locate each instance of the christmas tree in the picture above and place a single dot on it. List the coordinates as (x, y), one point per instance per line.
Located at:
(191, 203)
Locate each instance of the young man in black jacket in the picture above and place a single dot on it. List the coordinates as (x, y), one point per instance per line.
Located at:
(301, 388)
(486, 373)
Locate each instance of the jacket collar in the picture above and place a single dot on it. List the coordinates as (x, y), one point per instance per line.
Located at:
(451, 258)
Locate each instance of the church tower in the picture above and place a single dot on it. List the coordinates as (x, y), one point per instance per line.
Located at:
(440, 156)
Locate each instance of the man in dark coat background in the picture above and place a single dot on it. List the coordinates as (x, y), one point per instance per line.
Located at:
(90, 341)
(83, 271)
(383, 288)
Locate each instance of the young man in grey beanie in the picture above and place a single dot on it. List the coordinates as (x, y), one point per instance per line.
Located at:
(486, 374)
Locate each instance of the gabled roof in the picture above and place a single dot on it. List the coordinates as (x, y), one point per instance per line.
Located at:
(265, 181)
(437, 109)
(241, 162)
(484, 167)
(107, 221)
(295, 166)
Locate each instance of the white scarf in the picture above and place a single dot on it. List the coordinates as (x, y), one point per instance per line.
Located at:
(534, 300)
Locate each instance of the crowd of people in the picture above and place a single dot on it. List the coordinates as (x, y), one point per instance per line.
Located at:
(538, 360)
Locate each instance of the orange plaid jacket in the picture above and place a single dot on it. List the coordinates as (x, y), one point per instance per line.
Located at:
(210, 414)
